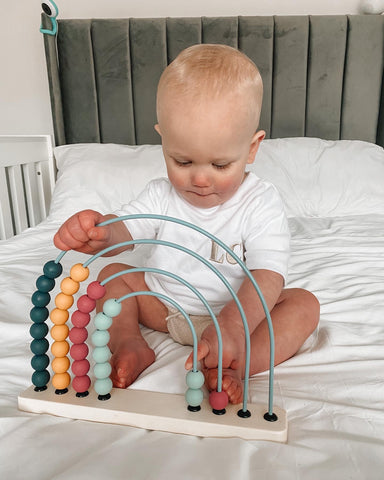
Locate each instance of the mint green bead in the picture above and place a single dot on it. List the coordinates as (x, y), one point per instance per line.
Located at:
(100, 338)
(194, 397)
(102, 370)
(103, 386)
(102, 322)
(195, 380)
(111, 307)
(101, 354)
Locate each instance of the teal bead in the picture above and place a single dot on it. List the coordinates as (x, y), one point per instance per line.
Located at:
(102, 322)
(40, 299)
(103, 386)
(102, 370)
(195, 380)
(39, 314)
(52, 269)
(40, 378)
(111, 307)
(45, 284)
(39, 346)
(39, 330)
(194, 397)
(100, 338)
(101, 354)
(40, 362)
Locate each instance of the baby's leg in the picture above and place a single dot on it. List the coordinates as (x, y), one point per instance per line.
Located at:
(130, 352)
(294, 317)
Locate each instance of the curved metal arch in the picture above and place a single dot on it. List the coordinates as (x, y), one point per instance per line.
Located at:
(235, 257)
(191, 326)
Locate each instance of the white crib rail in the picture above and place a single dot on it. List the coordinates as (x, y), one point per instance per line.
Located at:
(27, 177)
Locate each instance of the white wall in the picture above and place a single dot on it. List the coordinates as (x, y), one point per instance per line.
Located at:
(24, 100)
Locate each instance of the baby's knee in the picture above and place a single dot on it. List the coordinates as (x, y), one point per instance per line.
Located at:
(110, 269)
(311, 308)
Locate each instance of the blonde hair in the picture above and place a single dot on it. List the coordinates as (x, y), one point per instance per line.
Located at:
(213, 71)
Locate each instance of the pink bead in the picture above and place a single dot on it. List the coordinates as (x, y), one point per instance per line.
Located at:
(95, 290)
(86, 304)
(81, 384)
(80, 367)
(218, 400)
(80, 319)
(78, 335)
(80, 351)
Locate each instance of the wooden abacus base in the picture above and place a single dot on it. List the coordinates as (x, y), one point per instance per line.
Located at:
(157, 411)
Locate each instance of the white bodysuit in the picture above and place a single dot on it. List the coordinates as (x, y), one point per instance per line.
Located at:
(252, 223)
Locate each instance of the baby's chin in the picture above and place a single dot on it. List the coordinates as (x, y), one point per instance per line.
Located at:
(202, 201)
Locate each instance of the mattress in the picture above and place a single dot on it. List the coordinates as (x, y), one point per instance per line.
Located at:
(332, 389)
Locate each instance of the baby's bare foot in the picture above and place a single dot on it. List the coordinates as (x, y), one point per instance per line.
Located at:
(129, 360)
(231, 383)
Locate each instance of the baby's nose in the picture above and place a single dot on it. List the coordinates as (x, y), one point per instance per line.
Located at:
(200, 178)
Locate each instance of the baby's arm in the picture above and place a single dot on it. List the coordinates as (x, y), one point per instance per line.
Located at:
(231, 325)
(80, 233)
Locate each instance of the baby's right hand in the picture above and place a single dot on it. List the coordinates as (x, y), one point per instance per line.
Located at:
(80, 233)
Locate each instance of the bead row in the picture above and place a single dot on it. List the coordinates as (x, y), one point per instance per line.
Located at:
(60, 331)
(39, 329)
(78, 336)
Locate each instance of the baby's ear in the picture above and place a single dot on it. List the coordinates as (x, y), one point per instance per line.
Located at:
(255, 143)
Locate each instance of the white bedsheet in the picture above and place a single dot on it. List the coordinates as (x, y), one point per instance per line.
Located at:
(332, 390)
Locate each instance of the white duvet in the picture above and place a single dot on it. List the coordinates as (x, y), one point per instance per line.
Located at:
(332, 389)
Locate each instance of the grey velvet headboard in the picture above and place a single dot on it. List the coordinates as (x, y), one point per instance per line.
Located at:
(322, 75)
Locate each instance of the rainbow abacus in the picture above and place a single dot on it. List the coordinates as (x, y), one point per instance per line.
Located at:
(272, 426)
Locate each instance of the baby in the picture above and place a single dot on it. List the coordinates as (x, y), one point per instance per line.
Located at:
(208, 107)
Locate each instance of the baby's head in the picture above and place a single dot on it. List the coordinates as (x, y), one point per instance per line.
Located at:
(208, 107)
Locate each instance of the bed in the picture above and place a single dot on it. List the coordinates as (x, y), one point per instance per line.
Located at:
(323, 111)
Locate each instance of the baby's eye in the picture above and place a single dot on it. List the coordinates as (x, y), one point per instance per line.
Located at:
(221, 166)
(182, 163)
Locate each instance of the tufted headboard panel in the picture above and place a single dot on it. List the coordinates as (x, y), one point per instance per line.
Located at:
(322, 74)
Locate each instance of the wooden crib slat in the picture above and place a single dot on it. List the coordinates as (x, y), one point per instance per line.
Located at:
(6, 225)
(31, 195)
(16, 190)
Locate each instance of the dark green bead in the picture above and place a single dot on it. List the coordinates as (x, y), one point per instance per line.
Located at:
(40, 362)
(52, 269)
(39, 314)
(39, 346)
(45, 284)
(39, 330)
(41, 378)
(40, 299)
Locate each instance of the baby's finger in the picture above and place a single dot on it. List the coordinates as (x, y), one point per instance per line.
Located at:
(202, 352)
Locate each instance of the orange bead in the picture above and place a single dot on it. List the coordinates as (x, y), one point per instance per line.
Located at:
(60, 349)
(59, 332)
(60, 364)
(69, 286)
(61, 380)
(58, 316)
(63, 301)
(79, 273)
